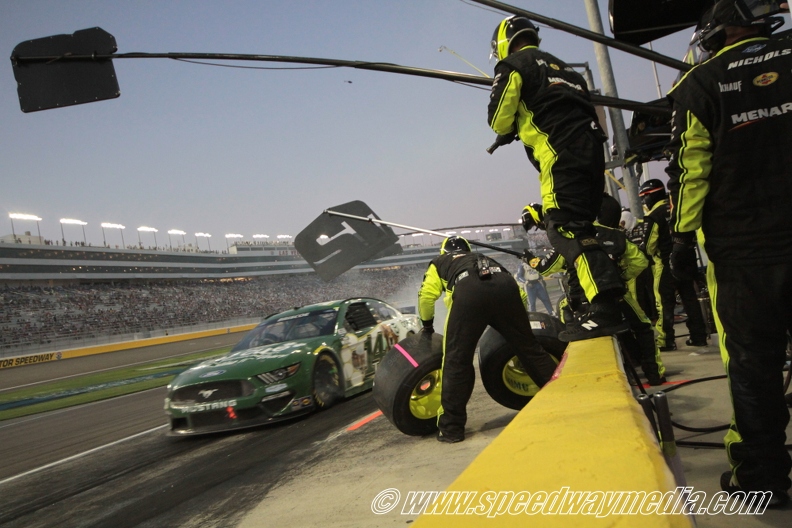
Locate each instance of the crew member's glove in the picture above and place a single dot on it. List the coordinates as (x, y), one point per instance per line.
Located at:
(428, 327)
(501, 140)
(528, 256)
(683, 256)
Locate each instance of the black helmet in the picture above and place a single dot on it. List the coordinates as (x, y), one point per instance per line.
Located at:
(650, 187)
(651, 192)
(610, 211)
(506, 31)
(532, 216)
(711, 30)
(454, 244)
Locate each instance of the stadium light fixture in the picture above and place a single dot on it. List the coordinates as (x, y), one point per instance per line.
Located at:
(108, 225)
(207, 236)
(175, 232)
(231, 235)
(23, 216)
(148, 230)
(73, 222)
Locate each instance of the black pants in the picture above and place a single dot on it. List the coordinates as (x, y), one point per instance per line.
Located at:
(668, 289)
(695, 319)
(665, 297)
(753, 310)
(572, 187)
(639, 342)
(644, 293)
(494, 302)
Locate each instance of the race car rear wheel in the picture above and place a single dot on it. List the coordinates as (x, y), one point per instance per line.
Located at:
(502, 374)
(408, 384)
(326, 382)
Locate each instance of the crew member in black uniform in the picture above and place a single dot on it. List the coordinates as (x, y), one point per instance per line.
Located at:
(639, 341)
(657, 245)
(643, 287)
(545, 103)
(478, 292)
(730, 175)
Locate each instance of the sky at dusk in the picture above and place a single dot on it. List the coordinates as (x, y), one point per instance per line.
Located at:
(264, 151)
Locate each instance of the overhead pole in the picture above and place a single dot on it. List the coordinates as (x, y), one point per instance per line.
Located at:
(617, 119)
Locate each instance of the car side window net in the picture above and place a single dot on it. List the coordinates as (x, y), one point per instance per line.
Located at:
(359, 317)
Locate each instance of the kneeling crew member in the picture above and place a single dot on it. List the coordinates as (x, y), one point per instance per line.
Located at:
(478, 292)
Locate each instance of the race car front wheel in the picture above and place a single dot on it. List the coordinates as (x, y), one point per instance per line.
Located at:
(326, 382)
(408, 384)
(502, 374)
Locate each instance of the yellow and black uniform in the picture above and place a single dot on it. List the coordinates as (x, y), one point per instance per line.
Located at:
(642, 289)
(657, 244)
(473, 304)
(547, 104)
(731, 175)
(639, 341)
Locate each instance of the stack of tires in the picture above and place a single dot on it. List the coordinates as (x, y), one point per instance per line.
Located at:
(408, 382)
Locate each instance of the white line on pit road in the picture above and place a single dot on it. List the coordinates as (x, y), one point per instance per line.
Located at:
(78, 455)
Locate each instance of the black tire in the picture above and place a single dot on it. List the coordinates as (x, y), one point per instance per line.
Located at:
(409, 395)
(327, 388)
(501, 372)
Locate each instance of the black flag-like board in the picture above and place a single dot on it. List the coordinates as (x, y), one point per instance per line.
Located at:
(332, 244)
(54, 83)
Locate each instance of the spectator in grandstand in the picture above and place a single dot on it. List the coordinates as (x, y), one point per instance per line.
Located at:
(35, 316)
(478, 292)
(729, 176)
(543, 101)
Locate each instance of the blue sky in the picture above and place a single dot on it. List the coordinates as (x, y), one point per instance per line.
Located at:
(224, 150)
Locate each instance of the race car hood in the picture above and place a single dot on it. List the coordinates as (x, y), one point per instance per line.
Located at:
(247, 363)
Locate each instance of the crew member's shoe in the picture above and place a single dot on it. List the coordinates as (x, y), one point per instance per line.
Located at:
(602, 319)
(449, 439)
(668, 348)
(777, 498)
(654, 381)
(696, 342)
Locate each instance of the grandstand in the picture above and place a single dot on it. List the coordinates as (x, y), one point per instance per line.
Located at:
(56, 297)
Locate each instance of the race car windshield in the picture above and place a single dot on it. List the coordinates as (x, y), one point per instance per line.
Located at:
(290, 327)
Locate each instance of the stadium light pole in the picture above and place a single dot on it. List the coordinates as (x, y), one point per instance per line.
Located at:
(121, 228)
(231, 235)
(74, 222)
(207, 236)
(149, 230)
(22, 216)
(175, 232)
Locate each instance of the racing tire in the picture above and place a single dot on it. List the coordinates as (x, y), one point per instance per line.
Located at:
(501, 372)
(326, 382)
(407, 390)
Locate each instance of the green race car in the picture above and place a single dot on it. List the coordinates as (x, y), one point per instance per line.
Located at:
(292, 363)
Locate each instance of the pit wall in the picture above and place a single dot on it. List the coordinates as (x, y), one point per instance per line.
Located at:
(583, 432)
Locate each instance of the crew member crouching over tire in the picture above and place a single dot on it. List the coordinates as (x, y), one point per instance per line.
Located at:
(479, 292)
